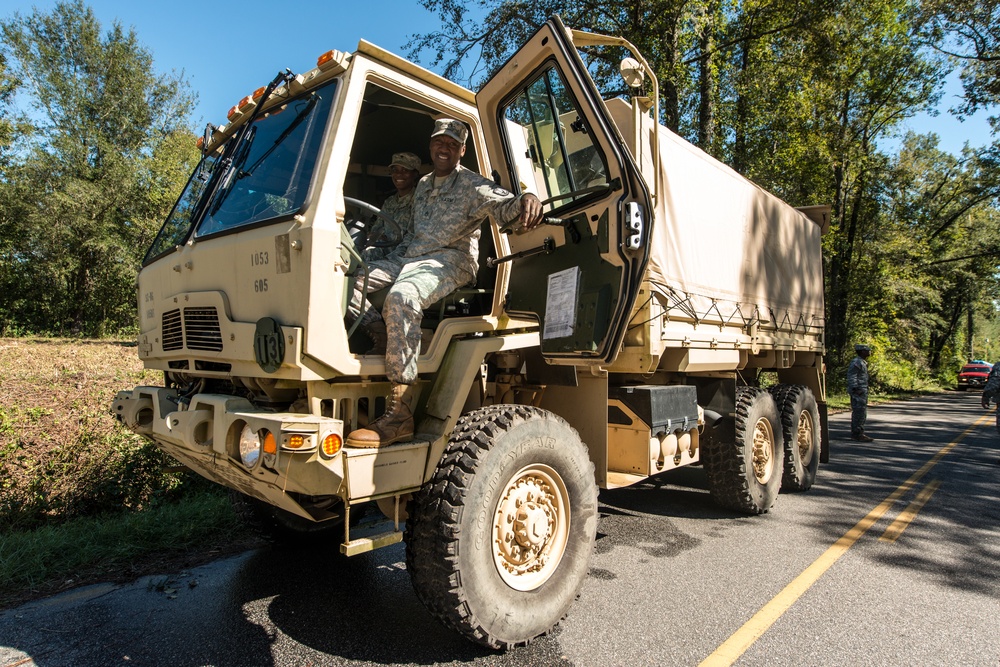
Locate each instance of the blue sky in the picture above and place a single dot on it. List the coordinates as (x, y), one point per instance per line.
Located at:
(227, 50)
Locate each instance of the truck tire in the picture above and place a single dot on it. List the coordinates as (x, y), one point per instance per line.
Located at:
(800, 430)
(281, 525)
(499, 541)
(745, 474)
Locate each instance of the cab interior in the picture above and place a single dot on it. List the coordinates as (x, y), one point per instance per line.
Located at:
(390, 123)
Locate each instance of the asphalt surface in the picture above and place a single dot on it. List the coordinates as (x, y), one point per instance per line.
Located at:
(672, 579)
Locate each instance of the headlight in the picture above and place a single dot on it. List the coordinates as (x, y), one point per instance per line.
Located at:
(249, 447)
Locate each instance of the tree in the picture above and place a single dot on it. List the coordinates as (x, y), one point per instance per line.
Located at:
(968, 31)
(83, 197)
(945, 217)
(659, 28)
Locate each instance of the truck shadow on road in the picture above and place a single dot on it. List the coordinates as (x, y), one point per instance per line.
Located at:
(358, 609)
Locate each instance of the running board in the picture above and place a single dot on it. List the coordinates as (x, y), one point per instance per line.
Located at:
(365, 544)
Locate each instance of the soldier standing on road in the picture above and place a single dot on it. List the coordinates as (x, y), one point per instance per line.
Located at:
(449, 206)
(990, 390)
(857, 387)
(384, 264)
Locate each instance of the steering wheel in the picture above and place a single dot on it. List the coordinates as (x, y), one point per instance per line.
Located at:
(394, 232)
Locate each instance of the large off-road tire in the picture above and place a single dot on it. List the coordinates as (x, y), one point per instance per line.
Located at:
(745, 474)
(499, 541)
(281, 525)
(800, 430)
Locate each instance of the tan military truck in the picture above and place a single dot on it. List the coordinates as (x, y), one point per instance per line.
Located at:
(625, 338)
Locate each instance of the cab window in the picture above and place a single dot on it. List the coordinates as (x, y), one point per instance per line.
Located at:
(551, 147)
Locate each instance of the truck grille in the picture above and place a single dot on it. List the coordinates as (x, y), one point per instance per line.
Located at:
(173, 337)
(199, 329)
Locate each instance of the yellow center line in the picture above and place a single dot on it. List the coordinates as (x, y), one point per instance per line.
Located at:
(897, 527)
(742, 639)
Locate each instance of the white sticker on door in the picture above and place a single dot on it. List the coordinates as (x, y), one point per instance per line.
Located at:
(560, 303)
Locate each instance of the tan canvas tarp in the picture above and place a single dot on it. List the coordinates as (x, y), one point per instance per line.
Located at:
(722, 247)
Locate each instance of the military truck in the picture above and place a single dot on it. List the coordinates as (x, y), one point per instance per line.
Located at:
(630, 335)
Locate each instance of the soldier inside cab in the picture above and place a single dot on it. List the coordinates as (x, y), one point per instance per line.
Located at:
(449, 207)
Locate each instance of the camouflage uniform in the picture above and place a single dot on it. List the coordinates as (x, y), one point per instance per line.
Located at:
(384, 264)
(990, 389)
(443, 256)
(399, 209)
(857, 387)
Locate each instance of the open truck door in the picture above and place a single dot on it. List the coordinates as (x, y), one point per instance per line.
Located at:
(549, 132)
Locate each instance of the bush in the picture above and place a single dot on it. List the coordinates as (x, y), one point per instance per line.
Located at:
(62, 454)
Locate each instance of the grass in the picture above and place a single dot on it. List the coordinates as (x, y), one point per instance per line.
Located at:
(118, 547)
(81, 498)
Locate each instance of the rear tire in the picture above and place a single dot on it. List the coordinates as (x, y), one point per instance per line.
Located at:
(745, 474)
(801, 434)
(499, 541)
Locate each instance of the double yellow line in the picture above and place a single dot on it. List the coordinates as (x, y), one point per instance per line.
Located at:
(742, 639)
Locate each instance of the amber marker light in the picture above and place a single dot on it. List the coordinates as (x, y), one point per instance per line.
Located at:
(332, 444)
(259, 93)
(295, 441)
(200, 143)
(270, 444)
(232, 113)
(325, 58)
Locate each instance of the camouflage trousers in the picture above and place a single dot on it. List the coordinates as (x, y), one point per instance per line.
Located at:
(381, 274)
(859, 413)
(417, 285)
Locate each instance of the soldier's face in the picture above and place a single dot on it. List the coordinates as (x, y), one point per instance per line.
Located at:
(446, 152)
(404, 179)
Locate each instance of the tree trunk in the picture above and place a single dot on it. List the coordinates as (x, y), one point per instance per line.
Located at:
(740, 157)
(706, 80)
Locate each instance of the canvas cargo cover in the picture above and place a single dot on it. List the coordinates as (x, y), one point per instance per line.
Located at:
(722, 247)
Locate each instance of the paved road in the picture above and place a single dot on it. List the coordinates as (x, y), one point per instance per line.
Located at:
(819, 579)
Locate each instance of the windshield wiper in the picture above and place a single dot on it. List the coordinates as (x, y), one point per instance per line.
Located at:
(232, 170)
(299, 117)
(238, 150)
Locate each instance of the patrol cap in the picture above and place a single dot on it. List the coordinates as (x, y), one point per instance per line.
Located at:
(862, 348)
(406, 161)
(453, 128)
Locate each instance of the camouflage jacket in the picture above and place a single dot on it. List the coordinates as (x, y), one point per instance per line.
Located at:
(992, 383)
(857, 376)
(449, 218)
(399, 209)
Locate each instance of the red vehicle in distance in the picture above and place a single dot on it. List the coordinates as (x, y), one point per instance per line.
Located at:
(973, 374)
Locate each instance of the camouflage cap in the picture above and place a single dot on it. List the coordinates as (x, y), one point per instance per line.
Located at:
(453, 128)
(406, 160)
(862, 348)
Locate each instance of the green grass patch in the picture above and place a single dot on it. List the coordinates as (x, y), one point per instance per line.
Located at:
(116, 547)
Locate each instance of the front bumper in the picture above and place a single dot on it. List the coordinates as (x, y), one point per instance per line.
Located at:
(203, 434)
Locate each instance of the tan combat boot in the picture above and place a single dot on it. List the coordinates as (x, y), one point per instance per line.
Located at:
(394, 426)
(376, 331)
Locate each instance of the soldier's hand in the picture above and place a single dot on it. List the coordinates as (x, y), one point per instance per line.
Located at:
(531, 211)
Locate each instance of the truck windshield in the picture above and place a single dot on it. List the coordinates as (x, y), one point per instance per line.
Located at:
(268, 178)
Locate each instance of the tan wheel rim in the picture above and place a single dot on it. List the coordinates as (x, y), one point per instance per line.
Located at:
(804, 438)
(763, 448)
(531, 527)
